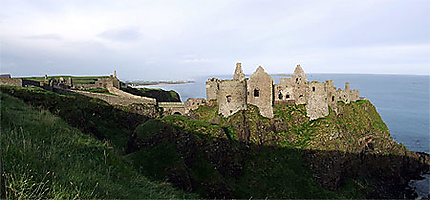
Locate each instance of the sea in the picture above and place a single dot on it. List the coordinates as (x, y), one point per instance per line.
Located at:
(401, 100)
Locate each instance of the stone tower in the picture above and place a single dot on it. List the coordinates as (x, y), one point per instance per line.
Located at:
(300, 85)
(231, 96)
(260, 92)
(212, 88)
(316, 97)
(238, 73)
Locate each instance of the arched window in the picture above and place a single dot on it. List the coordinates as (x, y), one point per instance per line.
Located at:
(313, 89)
(228, 98)
(256, 93)
(280, 96)
(332, 98)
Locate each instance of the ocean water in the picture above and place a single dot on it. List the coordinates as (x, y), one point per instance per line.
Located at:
(401, 100)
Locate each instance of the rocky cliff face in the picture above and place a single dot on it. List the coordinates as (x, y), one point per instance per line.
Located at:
(350, 147)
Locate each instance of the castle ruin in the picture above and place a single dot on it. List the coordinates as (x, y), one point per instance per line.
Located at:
(261, 91)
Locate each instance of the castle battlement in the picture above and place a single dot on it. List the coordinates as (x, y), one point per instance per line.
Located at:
(261, 91)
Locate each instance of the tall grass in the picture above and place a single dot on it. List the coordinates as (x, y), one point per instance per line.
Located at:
(43, 157)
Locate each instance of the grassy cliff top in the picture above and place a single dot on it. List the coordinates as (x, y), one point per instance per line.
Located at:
(44, 157)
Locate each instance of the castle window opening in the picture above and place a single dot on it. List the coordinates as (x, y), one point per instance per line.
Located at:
(301, 96)
(280, 95)
(287, 96)
(332, 98)
(217, 86)
(313, 89)
(256, 93)
(228, 98)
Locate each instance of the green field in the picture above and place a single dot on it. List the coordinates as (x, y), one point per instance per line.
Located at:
(44, 157)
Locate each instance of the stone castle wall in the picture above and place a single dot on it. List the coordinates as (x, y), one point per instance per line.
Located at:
(231, 97)
(283, 92)
(316, 97)
(299, 85)
(212, 87)
(193, 103)
(260, 92)
(331, 93)
(117, 99)
(11, 81)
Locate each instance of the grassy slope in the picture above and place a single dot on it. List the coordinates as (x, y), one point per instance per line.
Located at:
(92, 116)
(46, 158)
(159, 94)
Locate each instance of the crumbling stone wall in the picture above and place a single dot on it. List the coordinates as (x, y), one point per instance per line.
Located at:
(316, 96)
(28, 83)
(260, 92)
(300, 85)
(331, 93)
(173, 108)
(212, 87)
(354, 95)
(231, 97)
(11, 81)
(238, 73)
(111, 81)
(123, 100)
(283, 92)
(263, 93)
(193, 103)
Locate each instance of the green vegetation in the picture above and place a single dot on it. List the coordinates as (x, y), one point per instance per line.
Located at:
(95, 150)
(224, 166)
(44, 157)
(159, 94)
(92, 116)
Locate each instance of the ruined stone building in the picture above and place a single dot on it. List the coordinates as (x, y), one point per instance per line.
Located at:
(261, 91)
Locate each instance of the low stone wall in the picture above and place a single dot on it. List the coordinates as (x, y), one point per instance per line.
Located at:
(118, 99)
(28, 83)
(11, 81)
(171, 108)
(193, 103)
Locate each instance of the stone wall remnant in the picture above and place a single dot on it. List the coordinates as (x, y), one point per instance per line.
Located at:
(261, 91)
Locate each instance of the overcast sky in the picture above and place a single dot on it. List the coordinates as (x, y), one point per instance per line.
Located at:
(171, 39)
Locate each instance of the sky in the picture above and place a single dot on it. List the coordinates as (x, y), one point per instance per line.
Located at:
(174, 40)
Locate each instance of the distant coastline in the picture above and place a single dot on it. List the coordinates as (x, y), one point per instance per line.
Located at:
(155, 83)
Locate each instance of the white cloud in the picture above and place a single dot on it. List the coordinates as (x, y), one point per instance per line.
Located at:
(326, 36)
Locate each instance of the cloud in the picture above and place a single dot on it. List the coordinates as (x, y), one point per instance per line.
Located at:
(44, 37)
(122, 34)
(169, 38)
